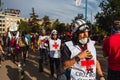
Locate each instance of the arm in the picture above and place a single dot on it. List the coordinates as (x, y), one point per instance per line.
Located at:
(105, 54)
(9, 35)
(71, 62)
(105, 47)
(1, 49)
(99, 70)
(68, 63)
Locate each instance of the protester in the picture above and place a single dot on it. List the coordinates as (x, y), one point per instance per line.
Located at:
(28, 38)
(79, 55)
(111, 49)
(4, 40)
(1, 52)
(33, 42)
(14, 49)
(22, 43)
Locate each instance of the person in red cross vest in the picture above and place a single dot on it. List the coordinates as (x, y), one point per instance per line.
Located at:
(43, 50)
(54, 45)
(79, 55)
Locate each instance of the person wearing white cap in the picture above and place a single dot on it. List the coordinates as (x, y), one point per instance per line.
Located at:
(54, 45)
(79, 54)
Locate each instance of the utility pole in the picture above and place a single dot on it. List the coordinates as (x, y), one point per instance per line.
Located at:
(86, 10)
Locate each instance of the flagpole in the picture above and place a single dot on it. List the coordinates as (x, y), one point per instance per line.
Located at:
(86, 10)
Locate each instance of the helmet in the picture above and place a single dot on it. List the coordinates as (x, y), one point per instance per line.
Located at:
(79, 25)
(54, 31)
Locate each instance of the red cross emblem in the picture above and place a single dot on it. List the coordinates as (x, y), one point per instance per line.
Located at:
(55, 45)
(44, 40)
(87, 64)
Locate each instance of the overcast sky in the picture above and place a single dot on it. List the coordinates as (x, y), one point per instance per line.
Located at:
(64, 10)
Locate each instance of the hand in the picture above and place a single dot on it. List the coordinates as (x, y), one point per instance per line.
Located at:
(3, 52)
(84, 54)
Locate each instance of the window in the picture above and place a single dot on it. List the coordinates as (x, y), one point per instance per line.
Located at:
(2, 16)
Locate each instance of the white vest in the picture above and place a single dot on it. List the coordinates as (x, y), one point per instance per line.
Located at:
(54, 46)
(42, 41)
(84, 69)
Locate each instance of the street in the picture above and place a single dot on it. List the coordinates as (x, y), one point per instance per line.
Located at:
(10, 71)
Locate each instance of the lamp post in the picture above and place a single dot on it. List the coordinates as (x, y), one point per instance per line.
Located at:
(86, 10)
(91, 13)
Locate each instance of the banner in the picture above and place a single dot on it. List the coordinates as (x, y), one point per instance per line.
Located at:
(77, 2)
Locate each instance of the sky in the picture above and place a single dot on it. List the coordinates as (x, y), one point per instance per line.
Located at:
(64, 10)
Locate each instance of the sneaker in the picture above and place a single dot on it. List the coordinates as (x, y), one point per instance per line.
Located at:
(19, 65)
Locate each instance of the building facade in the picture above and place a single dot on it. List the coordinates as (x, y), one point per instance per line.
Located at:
(7, 21)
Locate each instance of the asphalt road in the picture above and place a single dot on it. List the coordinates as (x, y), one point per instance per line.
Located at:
(10, 71)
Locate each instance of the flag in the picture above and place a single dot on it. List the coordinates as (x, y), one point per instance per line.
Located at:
(77, 2)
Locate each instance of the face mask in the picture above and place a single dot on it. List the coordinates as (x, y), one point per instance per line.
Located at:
(83, 40)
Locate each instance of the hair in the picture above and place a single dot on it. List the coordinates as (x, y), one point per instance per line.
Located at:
(52, 36)
(117, 25)
(75, 38)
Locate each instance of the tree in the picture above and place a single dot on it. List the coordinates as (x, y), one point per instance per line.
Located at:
(110, 10)
(23, 26)
(33, 22)
(46, 23)
(79, 16)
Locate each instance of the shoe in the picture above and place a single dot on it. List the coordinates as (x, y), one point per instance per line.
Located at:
(19, 65)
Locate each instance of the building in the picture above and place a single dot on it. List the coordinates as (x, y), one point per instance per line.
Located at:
(9, 19)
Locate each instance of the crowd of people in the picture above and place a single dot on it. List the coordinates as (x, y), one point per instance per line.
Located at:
(74, 52)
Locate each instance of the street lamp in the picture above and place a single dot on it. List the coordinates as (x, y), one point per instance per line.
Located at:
(86, 10)
(91, 14)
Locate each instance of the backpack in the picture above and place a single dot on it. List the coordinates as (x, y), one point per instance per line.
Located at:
(13, 42)
(28, 39)
(21, 42)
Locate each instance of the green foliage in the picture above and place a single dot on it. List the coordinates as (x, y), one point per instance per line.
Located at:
(33, 22)
(46, 23)
(61, 28)
(110, 10)
(79, 16)
(23, 26)
(97, 30)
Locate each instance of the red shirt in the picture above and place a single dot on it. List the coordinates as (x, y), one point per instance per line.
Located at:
(111, 47)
